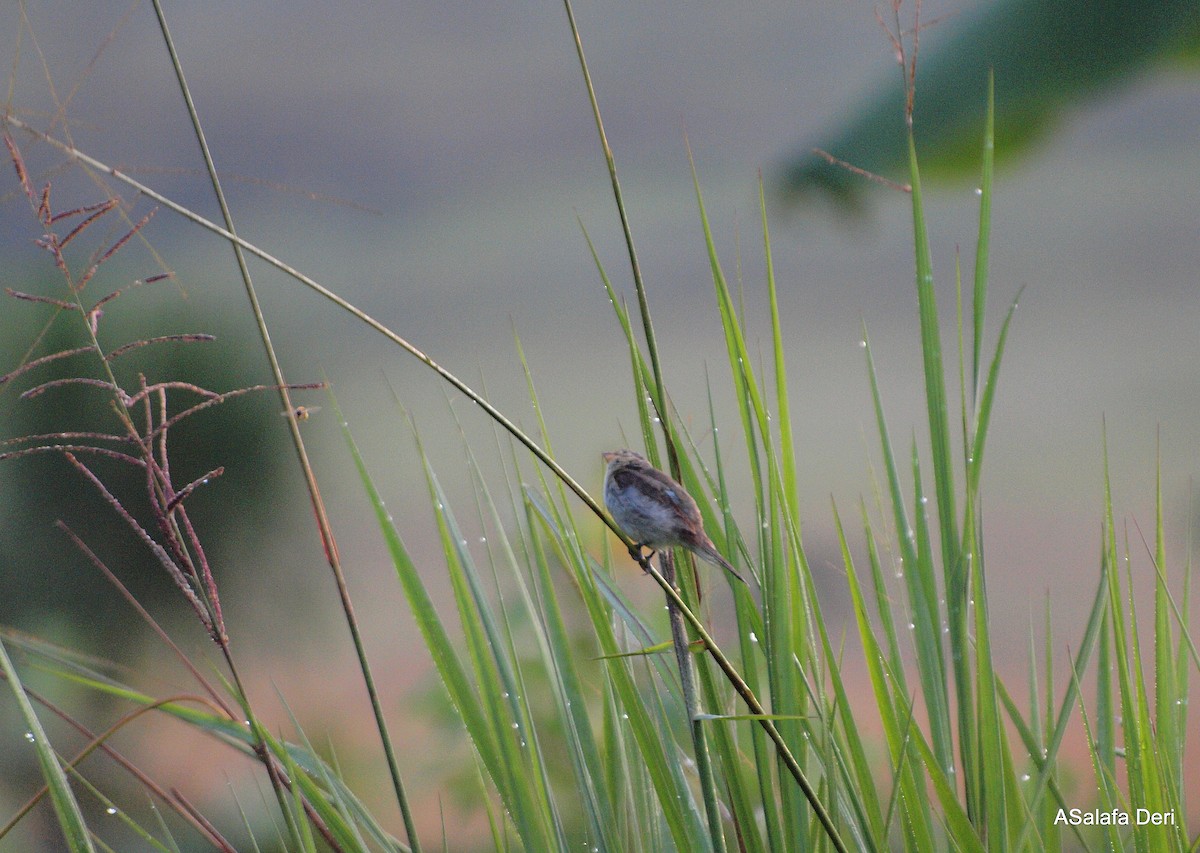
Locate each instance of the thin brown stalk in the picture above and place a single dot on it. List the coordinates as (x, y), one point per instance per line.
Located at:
(147, 618)
(190, 338)
(150, 542)
(46, 359)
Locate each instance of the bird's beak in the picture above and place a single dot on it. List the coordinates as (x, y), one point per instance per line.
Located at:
(608, 455)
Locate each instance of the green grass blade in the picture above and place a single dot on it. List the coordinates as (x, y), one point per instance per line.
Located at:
(66, 808)
(982, 246)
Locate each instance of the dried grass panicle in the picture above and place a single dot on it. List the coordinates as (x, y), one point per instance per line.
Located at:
(145, 413)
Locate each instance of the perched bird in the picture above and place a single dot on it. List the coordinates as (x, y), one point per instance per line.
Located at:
(654, 510)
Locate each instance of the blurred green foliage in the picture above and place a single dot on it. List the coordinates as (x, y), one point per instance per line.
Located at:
(1047, 56)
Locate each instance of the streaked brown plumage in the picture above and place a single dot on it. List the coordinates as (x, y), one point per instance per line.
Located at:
(654, 510)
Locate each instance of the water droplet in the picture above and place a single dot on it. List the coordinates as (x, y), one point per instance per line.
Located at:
(912, 626)
(516, 726)
(29, 737)
(924, 499)
(110, 810)
(1024, 777)
(979, 191)
(753, 637)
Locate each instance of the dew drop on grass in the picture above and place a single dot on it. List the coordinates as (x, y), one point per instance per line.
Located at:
(912, 626)
(862, 344)
(753, 637)
(979, 191)
(110, 810)
(29, 737)
(1024, 777)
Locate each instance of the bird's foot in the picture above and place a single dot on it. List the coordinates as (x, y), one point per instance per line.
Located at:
(641, 559)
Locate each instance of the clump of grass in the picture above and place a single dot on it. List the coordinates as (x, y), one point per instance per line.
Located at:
(593, 734)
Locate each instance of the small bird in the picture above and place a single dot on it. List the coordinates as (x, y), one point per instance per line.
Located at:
(654, 510)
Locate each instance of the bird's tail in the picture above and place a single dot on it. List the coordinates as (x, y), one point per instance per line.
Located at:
(707, 551)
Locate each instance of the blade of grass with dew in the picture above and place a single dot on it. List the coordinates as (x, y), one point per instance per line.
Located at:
(1168, 724)
(326, 776)
(561, 662)
(606, 593)
(903, 526)
(780, 592)
(462, 692)
(871, 831)
(1140, 771)
(724, 737)
(750, 627)
(787, 449)
(924, 624)
(496, 682)
(505, 645)
(954, 574)
(1106, 783)
(66, 808)
(918, 823)
(984, 408)
(992, 778)
(232, 733)
(1150, 791)
(306, 842)
(651, 728)
(982, 245)
(551, 636)
(935, 381)
(671, 789)
(112, 810)
(1045, 757)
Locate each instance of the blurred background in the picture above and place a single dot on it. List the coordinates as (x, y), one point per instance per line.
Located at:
(433, 163)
